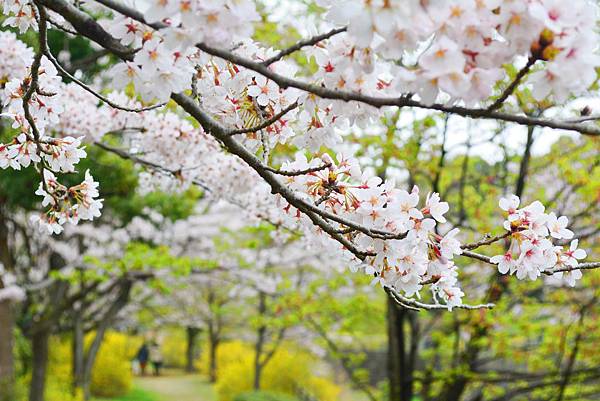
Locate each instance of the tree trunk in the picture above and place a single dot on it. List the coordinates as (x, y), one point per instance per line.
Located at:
(39, 349)
(401, 361)
(7, 322)
(190, 355)
(260, 341)
(395, 351)
(257, 354)
(213, 344)
(78, 352)
(6, 352)
(105, 322)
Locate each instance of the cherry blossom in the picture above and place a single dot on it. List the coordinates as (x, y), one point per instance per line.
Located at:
(448, 52)
(532, 252)
(558, 227)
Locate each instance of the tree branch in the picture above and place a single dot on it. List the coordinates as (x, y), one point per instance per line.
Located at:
(513, 85)
(265, 123)
(303, 43)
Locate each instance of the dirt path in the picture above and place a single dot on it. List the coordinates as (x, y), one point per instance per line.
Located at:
(175, 386)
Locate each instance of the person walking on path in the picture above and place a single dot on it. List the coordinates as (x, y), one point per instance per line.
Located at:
(156, 357)
(142, 358)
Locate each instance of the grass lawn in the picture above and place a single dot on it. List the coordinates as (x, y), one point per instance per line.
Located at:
(173, 386)
(137, 394)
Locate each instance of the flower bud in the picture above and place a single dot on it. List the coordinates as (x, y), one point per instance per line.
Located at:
(550, 53)
(546, 37)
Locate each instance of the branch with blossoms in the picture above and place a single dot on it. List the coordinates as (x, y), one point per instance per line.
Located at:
(544, 49)
(32, 104)
(64, 72)
(383, 229)
(147, 163)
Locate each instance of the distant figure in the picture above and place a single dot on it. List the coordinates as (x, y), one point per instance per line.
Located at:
(155, 357)
(142, 357)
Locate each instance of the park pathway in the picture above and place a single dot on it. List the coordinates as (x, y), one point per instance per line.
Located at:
(177, 386)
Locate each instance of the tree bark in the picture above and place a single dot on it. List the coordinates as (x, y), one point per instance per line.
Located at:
(395, 351)
(260, 341)
(213, 344)
(103, 325)
(7, 323)
(39, 349)
(190, 354)
(78, 352)
(401, 361)
(6, 352)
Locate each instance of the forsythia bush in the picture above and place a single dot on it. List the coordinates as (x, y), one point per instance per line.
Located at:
(112, 376)
(288, 372)
(173, 348)
(228, 354)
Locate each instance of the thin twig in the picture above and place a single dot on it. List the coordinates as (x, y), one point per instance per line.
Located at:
(513, 85)
(299, 172)
(487, 240)
(416, 305)
(303, 43)
(549, 272)
(265, 123)
(112, 104)
(155, 166)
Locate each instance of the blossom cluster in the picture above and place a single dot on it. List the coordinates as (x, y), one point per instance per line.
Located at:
(78, 202)
(186, 154)
(16, 58)
(531, 251)
(27, 100)
(20, 14)
(240, 98)
(458, 48)
(398, 236)
(461, 46)
(167, 56)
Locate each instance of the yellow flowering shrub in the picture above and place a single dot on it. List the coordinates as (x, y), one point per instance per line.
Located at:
(111, 375)
(288, 372)
(173, 347)
(228, 353)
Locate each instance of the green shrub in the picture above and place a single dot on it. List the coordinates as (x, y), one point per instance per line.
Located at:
(264, 396)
